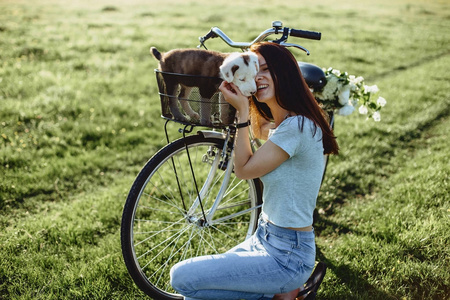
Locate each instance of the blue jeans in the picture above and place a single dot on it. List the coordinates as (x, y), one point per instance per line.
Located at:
(274, 260)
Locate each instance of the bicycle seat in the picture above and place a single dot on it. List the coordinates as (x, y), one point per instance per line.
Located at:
(314, 76)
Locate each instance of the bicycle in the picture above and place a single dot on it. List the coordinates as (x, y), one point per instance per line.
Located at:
(186, 201)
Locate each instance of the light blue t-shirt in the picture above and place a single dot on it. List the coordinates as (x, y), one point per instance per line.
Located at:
(290, 191)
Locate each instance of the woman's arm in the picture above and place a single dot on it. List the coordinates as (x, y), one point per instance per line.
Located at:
(260, 126)
(249, 165)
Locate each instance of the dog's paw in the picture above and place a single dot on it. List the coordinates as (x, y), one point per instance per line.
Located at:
(181, 119)
(194, 116)
(206, 122)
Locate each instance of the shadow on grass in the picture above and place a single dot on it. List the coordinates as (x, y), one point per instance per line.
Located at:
(417, 63)
(356, 285)
(350, 282)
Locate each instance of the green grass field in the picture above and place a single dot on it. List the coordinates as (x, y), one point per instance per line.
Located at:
(79, 116)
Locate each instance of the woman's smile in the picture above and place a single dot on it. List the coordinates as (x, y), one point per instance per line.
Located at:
(262, 92)
(264, 82)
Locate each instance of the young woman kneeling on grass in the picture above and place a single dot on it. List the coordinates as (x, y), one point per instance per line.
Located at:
(280, 256)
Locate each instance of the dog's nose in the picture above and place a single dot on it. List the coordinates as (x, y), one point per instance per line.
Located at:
(253, 92)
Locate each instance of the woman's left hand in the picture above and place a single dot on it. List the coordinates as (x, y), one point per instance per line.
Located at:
(233, 95)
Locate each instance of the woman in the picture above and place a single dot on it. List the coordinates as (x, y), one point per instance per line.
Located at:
(277, 260)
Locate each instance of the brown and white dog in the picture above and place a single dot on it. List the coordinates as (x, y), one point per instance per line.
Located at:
(239, 68)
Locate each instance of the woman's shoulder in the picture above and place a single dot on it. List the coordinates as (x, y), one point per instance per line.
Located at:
(297, 121)
(301, 125)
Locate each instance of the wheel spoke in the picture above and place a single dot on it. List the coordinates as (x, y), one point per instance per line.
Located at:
(157, 232)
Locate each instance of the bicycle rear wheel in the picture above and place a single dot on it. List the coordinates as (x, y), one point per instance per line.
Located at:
(158, 230)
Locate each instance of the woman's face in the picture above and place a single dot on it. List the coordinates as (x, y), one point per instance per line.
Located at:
(264, 82)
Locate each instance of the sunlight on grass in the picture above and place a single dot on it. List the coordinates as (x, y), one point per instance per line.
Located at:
(80, 116)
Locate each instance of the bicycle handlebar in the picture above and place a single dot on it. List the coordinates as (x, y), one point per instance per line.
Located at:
(277, 29)
(312, 35)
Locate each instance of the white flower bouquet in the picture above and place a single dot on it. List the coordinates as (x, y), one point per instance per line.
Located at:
(344, 93)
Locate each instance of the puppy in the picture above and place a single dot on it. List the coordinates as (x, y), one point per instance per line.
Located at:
(239, 68)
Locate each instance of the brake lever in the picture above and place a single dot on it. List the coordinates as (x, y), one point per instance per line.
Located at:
(210, 35)
(202, 44)
(296, 46)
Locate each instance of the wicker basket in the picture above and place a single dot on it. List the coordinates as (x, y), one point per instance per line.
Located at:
(193, 100)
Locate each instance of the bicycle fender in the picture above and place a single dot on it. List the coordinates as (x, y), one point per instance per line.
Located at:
(212, 134)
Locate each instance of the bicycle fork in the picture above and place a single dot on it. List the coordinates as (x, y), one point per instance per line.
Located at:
(223, 162)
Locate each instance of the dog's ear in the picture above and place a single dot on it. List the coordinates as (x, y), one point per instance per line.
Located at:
(229, 67)
(227, 71)
(254, 59)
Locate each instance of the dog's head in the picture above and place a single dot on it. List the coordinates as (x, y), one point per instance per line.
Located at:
(241, 69)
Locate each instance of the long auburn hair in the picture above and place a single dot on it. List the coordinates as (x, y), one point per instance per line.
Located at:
(291, 91)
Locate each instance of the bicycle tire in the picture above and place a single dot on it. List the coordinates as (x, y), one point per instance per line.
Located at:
(156, 231)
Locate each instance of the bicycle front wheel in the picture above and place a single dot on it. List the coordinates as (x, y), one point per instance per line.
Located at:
(163, 221)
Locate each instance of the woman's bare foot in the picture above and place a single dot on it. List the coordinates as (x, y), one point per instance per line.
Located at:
(287, 296)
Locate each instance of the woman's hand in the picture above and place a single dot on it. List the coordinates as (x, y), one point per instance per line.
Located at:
(233, 95)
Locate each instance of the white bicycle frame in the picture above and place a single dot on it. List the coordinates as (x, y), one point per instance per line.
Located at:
(209, 180)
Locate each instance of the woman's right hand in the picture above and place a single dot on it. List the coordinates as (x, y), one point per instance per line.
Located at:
(233, 95)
